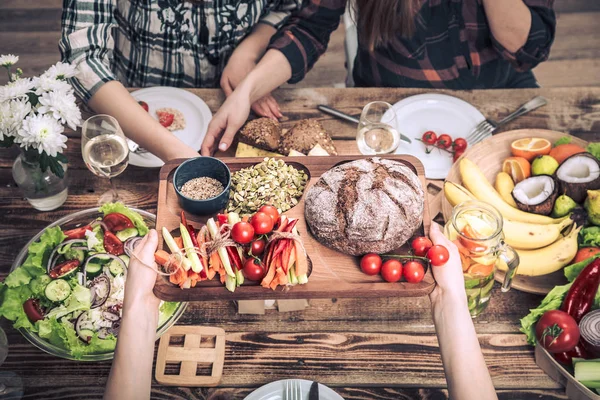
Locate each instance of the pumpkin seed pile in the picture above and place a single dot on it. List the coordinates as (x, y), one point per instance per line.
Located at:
(270, 182)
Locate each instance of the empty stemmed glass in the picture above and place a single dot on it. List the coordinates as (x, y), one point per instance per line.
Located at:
(105, 151)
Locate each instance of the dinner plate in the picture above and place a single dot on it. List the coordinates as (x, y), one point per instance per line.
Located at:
(274, 391)
(440, 113)
(196, 112)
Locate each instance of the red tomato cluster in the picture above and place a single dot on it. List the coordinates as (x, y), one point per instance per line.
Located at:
(444, 142)
(413, 271)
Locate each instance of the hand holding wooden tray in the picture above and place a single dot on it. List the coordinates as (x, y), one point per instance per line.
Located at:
(333, 274)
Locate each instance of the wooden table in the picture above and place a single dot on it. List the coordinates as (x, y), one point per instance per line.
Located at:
(364, 349)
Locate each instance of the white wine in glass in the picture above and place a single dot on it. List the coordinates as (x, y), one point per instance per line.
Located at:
(377, 133)
(105, 151)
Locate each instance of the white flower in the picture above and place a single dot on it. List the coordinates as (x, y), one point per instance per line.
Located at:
(60, 71)
(42, 132)
(62, 107)
(6, 60)
(48, 84)
(16, 90)
(12, 114)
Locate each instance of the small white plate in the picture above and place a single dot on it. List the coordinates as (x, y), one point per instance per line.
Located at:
(196, 112)
(440, 113)
(274, 391)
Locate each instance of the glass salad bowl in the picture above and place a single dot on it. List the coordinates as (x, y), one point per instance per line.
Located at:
(70, 221)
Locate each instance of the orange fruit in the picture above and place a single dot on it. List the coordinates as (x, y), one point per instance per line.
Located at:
(530, 148)
(481, 269)
(563, 151)
(517, 167)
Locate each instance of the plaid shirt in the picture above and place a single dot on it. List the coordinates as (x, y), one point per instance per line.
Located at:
(452, 47)
(159, 42)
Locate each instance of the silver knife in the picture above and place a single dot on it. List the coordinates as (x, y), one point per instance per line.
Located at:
(341, 115)
(313, 393)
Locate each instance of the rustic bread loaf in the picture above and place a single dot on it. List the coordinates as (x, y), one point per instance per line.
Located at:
(304, 136)
(263, 133)
(369, 205)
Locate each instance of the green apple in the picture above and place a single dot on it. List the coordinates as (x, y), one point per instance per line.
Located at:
(544, 165)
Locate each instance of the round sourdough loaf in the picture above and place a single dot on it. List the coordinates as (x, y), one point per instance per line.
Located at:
(369, 205)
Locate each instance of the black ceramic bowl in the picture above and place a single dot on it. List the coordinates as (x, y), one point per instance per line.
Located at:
(202, 167)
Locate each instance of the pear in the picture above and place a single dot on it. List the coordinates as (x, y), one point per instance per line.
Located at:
(563, 205)
(592, 205)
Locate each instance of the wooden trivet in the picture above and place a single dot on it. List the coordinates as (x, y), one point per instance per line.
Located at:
(198, 352)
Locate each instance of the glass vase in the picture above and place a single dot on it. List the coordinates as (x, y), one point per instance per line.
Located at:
(44, 190)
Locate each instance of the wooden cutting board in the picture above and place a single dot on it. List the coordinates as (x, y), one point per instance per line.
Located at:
(333, 274)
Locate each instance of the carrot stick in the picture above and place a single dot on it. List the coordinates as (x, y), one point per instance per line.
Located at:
(161, 257)
(210, 273)
(178, 241)
(268, 277)
(281, 276)
(292, 258)
(301, 262)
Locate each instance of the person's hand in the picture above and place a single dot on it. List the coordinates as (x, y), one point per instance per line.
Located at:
(449, 277)
(225, 123)
(238, 67)
(141, 278)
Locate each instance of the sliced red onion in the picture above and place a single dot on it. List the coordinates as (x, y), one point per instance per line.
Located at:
(110, 316)
(98, 255)
(103, 333)
(78, 326)
(99, 222)
(53, 256)
(115, 328)
(102, 280)
(130, 244)
(589, 327)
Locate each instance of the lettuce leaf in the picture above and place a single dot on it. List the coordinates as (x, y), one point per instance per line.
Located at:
(573, 270)
(136, 218)
(80, 299)
(167, 308)
(594, 148)
(11, 306)
(563, 140)
(590, 237)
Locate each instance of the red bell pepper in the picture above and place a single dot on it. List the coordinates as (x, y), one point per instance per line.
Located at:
(580, 298)
(234, 257)
(222, 218)
(566, 358)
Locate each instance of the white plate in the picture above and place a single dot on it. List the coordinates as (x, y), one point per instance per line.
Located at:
(274, 391)
(434, 112)
(196, 112)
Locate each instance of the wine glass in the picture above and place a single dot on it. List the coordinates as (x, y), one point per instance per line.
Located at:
(377, 133)
(105, 151)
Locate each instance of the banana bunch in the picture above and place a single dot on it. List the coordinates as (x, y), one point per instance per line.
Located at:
(537, 239)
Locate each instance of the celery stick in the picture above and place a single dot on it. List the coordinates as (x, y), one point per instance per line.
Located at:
(213, 230)
(239, 278)
(293, 278)
(187, 264)
(587, 372)
(303, 279)
(230, 283)
(189, 249)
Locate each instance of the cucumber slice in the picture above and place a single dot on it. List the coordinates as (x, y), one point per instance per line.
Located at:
(125, 258)
(127, 233)
(93, 269)
(73, 254)
(100, 257)
(58, 290)
(115, 268)
(86, 333)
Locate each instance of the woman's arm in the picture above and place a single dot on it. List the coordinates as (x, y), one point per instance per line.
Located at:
(466, 373)
(522, 30)
(113, 99)
(131, 373)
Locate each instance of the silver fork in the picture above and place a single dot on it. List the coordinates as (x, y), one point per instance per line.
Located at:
(293, 390)
(486, 127)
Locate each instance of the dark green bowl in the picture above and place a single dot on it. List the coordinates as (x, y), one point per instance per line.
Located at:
(202, 167)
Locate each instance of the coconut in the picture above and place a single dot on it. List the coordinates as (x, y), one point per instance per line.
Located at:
(536, 194)
(578, 174)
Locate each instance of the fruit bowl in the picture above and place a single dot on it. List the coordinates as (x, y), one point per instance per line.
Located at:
(489, 155)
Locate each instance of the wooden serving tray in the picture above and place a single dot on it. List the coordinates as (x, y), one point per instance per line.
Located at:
(333, 274)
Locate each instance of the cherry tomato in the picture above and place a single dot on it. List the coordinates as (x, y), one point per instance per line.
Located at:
(457, 155)
(77, 233)
(242, 232)
(32, 310)
(459, 144)
(112, 244)
(253, 269)
(391, 270)
(444, 141)
(429, 137)
(370, 264)
(582, 254)
(63, 268)
(271, 211)
(257, 247)
(165, 118)
(117, 222)
(557, 331)
(414, 272)
(420, 246)
(438, 255)
(144, 105)
(262, 223)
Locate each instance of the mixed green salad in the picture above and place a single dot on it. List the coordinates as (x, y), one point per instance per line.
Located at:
(69, 290)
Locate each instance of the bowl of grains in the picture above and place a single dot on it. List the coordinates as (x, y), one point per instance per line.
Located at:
(202, 185)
